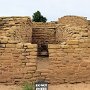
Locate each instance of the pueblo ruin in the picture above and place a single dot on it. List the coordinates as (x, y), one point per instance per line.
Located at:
(57, 52)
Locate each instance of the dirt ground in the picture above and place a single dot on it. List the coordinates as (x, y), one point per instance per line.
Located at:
(70, 87)
(80, 86)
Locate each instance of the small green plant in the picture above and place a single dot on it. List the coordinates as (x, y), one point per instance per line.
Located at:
(28, 86)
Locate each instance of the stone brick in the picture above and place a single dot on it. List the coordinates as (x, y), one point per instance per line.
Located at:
(84, 34)
(13, 42)
(28, 76)
(31, 57)
(28, 45)
(2, 45)
(25, 54)
(10, 45)
(54, 46)
(33, 53)
(19, 45)
(4, 40)
(64, 46)
(73, 42)
(68, 50)
(30, 64)
(84, 45)
(32, 68)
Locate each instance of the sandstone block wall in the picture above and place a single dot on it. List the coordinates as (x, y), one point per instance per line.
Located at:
(16, 28)
(17, 62)
(70, 63)
(44, 32)
(65, 33)
(67, 27)
(72, 27)
(73, 20)
(68, 46)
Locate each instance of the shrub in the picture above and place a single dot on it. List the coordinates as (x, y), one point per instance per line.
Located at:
(37, 17)
(28, 86)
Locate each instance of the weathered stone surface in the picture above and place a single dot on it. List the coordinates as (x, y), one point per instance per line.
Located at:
(64, 46)
(3, 39)
(72, 42)
(68, 45)
(10, 45)
(19, 45)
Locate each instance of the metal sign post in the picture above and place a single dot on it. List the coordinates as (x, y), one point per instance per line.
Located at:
(41, 85)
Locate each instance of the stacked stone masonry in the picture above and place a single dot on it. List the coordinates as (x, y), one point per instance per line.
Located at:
(44, 32)
(16, 28)
(68, 42)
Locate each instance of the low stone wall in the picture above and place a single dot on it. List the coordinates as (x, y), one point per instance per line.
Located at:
(70, 63)
(17, 62)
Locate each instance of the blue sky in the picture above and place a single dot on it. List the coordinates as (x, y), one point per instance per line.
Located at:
(52, 9)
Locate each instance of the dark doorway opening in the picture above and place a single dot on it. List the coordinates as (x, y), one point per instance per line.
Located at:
(43, 50)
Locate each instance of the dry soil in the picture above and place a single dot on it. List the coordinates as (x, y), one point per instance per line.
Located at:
(80, 86)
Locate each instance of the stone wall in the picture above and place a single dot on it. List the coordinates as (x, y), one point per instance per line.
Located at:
(89, 28)
(73, 20)
(44, 32)
(65, 32)
(72, 27)
(16, 28)
(70, 63)
(17, 62)
(66, 28)
(68, 46)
